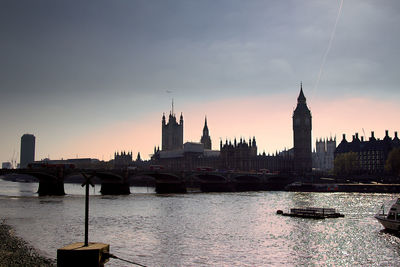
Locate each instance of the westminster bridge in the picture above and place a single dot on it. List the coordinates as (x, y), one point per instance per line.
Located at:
(118, 182)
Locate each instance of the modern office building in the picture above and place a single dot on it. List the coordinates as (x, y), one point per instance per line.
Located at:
(27, 150)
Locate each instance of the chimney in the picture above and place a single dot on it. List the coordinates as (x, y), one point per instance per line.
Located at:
(372, 136)
(362, 138)
(386, 133)
(344, 136)
(356, 135)
(395, 134)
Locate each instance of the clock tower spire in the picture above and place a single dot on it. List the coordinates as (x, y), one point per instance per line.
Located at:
(302, 135)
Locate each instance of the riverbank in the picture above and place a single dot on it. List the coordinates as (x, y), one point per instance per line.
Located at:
(16, 252)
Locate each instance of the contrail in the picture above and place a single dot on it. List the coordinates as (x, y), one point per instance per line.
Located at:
(329, 47)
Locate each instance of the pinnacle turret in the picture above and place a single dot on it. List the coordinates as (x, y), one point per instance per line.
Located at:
(301, 98)
(205, 139)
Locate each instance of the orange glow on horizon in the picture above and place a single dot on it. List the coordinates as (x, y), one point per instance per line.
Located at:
(268, 118)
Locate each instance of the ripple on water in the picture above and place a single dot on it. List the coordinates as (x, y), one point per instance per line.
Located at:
(227, 229)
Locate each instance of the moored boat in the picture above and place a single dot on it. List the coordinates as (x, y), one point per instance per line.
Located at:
(390, 220)
(311, 212)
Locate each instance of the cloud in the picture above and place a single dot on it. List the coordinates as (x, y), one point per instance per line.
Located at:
(73, 68)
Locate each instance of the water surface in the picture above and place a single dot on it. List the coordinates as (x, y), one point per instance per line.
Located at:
(205, 229)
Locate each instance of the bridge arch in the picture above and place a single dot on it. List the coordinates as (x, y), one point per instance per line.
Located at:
(247, 182)
(211, 182)
(168, 182)
(49, 183)
(112, 183)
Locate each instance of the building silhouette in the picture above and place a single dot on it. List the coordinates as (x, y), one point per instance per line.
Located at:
(122, 159)
(6, 165)
(172, 132)
(27, 150)
(302, 125)
(239, 155)
(372, 154)
(205, 138)
(77, 163)
(324, 154)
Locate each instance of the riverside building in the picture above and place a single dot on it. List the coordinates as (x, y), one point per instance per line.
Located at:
(372, 153)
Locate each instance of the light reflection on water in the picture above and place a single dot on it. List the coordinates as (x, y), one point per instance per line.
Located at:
(214, 229)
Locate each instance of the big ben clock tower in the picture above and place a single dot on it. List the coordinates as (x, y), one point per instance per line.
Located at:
(302, 135)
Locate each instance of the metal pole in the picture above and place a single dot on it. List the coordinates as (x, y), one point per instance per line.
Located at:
(87, 216)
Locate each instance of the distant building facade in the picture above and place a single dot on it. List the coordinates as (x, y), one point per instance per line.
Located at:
(324, 154)
(192, 156)
(205, 138)
(242, 156)
(278, 162)
(172, 132)
(302, 126)
(239, 155)
(6, 165)
(27, 150)
(372, 154)
(122, 159)
(76, 163)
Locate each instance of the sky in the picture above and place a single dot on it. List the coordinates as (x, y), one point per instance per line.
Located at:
(89, 78)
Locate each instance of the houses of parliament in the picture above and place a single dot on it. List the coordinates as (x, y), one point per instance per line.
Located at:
(239, 155)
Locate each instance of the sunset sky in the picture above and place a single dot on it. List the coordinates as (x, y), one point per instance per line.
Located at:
(89, 78)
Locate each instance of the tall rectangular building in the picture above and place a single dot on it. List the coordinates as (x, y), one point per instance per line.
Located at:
(172, 133)
(302, 135)
(27, 150)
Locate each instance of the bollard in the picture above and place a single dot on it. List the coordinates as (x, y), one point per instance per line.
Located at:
(77, 254)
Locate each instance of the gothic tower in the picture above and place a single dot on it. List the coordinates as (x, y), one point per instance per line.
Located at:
(205, 139)
(302, 135)
(172, 132)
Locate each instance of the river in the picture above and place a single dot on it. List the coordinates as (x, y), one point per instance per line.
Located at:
(205, 229)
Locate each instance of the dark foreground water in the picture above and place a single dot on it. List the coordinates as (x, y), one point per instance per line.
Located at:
(206, 229)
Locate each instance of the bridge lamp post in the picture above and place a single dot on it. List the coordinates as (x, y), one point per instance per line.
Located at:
(86, 183)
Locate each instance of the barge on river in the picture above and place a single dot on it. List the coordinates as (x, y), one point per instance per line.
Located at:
(310, 212)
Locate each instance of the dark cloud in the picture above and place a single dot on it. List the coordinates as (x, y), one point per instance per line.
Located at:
(112, 57)
(54, 47)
